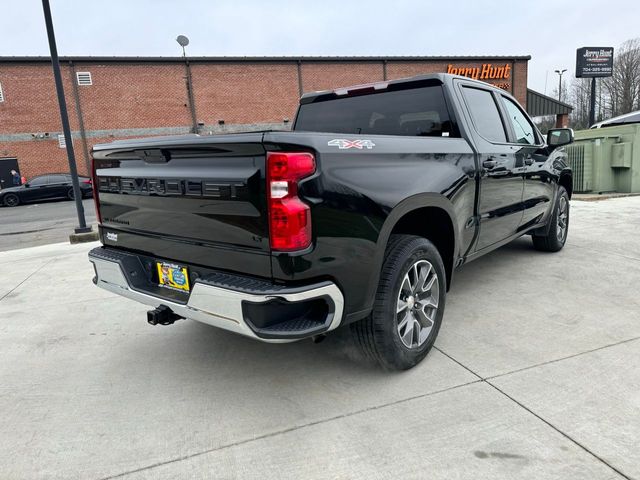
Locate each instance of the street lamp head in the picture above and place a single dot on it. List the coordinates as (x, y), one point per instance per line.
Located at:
(182, 40)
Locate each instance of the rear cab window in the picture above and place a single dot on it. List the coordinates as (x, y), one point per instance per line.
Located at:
(413, 112)
(485, 114)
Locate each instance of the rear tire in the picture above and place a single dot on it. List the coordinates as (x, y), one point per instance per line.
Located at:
(556, 236)
(409, 305)
(70, 194)
(11, 200)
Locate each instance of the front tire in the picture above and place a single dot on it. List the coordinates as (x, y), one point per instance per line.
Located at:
(409, 305)
(11, 200)
(556, 236)
(70, 194)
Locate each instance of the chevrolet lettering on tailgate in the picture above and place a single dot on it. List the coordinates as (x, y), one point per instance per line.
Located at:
(158, 186)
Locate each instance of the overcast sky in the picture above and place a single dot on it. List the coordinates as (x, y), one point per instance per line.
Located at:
(549, 31)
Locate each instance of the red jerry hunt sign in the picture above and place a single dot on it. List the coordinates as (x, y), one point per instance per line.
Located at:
(487, 72)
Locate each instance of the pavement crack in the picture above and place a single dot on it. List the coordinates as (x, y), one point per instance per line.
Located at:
(555, 360)
(539, 417)
(28, 277)
(285, 430)
(604, 252)
(566, 435)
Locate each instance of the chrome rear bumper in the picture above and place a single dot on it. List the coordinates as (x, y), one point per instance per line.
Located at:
(222, 306)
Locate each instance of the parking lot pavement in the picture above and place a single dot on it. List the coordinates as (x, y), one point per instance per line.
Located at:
(536, 374)
(42, 223)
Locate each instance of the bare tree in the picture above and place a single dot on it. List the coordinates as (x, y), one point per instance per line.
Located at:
(616, 95)
(622, 90)
(579, 98)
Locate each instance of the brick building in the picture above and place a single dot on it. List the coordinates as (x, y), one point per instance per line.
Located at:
(117, 97)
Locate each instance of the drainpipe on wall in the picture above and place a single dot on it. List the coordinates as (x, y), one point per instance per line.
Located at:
(190, 97)
(300, 86)
(83, 133)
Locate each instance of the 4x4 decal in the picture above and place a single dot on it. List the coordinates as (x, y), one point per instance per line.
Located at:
(343, 144)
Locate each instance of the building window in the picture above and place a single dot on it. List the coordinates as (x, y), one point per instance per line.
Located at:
(84, 78)
(1, 94)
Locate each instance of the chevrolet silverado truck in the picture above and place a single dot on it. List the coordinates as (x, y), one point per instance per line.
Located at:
(358, 216)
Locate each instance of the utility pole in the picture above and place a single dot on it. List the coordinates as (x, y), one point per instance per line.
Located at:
(64, 117)
(592, 106)
(560, 72)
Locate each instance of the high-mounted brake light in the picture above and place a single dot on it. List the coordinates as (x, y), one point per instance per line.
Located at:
(94, 187)
(362, 89)
(289, 217)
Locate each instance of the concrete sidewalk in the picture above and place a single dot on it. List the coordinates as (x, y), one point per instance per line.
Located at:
(536, 374)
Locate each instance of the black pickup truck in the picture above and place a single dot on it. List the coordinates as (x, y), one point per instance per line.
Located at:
(358, 216)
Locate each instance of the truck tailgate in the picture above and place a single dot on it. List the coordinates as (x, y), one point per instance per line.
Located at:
(198, 199)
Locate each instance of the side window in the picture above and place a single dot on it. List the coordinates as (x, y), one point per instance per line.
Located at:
(38, 181)
(57, 179)
(485, 114)
(525, 133)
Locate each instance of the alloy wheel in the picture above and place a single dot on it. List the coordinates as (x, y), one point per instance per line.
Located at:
(563, 218)
(11, 200)
(417, 304)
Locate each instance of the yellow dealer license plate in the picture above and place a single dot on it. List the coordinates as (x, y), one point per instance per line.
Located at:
(173, 276)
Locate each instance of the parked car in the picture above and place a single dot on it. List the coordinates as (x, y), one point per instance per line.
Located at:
(626, 119)
(358, 216)
(44, 187)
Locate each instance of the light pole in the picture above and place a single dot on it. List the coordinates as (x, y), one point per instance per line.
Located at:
(64, 117)
(560, 72)
(183, 41)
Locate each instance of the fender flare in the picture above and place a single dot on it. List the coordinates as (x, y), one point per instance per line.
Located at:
(567, 172)
(415, 202)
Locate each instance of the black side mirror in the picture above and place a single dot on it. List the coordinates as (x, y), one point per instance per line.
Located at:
(557, 137)
(27, 185)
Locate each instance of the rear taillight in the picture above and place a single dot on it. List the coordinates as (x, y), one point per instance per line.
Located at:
(289, 217)
(94, 188)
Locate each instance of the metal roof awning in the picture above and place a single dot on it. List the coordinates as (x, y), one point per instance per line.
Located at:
(539, 105)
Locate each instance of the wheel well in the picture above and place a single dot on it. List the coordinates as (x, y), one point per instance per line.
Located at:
(434, 224)
(567, 182)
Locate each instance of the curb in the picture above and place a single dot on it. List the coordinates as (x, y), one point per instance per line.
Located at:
(596, 197)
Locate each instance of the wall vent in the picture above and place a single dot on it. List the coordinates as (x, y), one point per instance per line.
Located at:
(62, 143)
(84, 78)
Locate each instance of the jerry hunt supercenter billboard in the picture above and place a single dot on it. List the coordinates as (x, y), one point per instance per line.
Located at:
(594, 62)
